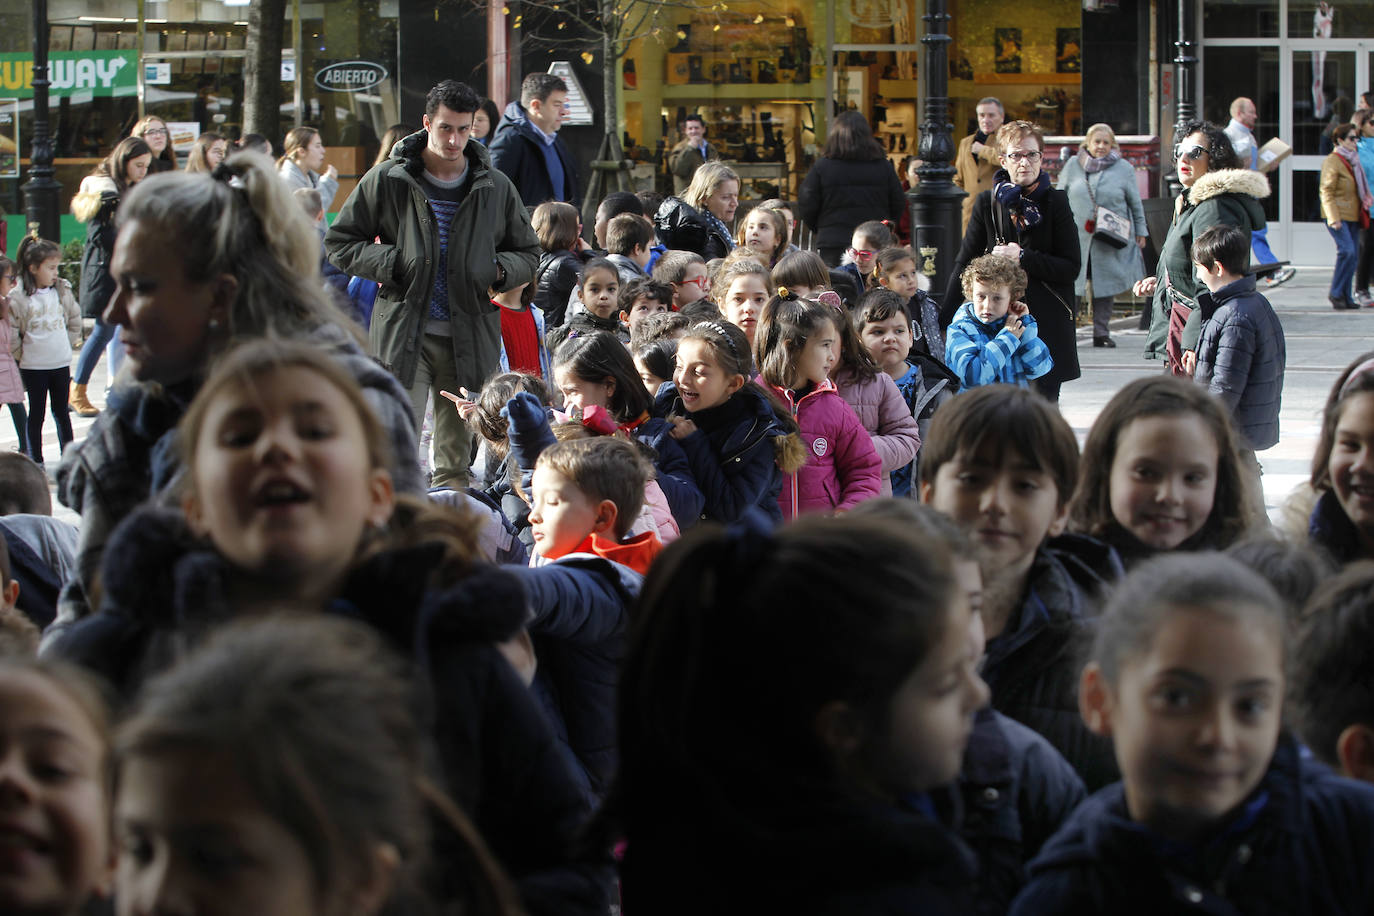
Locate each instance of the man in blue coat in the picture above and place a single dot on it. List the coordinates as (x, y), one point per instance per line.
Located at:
(527, 147)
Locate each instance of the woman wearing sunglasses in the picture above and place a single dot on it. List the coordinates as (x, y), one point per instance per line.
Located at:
(1217, 188)
(1346, 200)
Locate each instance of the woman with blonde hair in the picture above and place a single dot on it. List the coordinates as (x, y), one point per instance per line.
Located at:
(700, 220)
(301, 161)
(207, 153)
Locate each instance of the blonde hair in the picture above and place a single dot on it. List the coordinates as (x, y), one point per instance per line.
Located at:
(1098, 128)
(297, 141)
(705, 181)
(994, 270)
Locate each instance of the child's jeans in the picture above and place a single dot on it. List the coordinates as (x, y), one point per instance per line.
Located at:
(41, 385)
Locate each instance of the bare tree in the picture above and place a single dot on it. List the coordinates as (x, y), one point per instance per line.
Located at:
(262, 67)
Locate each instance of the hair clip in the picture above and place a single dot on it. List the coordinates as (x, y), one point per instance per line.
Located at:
(718, 328)
(1364, 368)
(782, 292)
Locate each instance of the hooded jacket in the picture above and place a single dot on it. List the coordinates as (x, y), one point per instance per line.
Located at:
(1241, 357)
(682, 227)
(491, 227)
(517, 148)
(986, 354)
(95, 204)
(886, 417)
(842, 469)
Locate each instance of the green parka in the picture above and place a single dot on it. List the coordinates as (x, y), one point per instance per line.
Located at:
(386, 232)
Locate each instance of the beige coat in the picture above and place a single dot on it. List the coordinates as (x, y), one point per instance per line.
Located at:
(974, 179)
(1339, 193)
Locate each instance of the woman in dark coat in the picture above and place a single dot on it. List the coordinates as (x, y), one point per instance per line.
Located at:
(703, 218)
(1027, 220)
(851, 183)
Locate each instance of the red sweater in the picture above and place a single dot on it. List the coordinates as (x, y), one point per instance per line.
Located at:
(520, 339)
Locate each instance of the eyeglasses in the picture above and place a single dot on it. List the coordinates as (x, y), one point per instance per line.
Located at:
(861, 253)
(1192, 155)
(155, 132)
(1022, 155)
(703, 283)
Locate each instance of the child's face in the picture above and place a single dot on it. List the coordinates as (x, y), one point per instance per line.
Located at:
(818, 356)
(744, 302)
(864, 253)
(45, 274)
(561, 515)
(643, 307)
(1214, 277)
(1194, 720)
(283, 485)
(692, 287)
(902, 278)
(193, 838)
(990, 301)
(700, 381)
(7, 282)
(1008, 508)
(580, 393)
(1164, 478)
(1351, 465)
(888, 342)
(651, 382)
(760, 234)
(599, 289)
(56, 852)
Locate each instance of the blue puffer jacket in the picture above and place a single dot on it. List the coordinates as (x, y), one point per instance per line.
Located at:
(1302, 843)
(985, 354)
(1240, 358)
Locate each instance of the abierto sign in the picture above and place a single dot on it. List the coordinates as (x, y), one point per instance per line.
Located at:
(350, 76)
(101, 73)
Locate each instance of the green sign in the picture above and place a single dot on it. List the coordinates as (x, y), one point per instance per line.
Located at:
(70, 72)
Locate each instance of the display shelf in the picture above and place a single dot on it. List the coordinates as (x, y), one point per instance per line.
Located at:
(717, 91)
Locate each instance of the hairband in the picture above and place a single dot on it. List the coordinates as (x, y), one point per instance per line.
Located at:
(720, 329)
(1363, 368)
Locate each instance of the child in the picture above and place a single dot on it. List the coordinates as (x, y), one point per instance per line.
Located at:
(659, 326)
(993, 337)
(896, 270)
(861, 259)
(789, 222)
(876, 400)
(884, 327)
(1333, 695)
(1342, 521)
(763, 232)
(628, 240)
(290, 749)
(287, 503)
(1161, 471)
(738, 441)
(562, 252)
(812, 764)
(796, 348)
(1241, 354)
(1294, 569)
(522, 332)
(597, 371)
(54, 729)
(11, 384)
(802, 273)
(741, 291)
(598, 292)
(493, 470)
(641, 298)
(1001, 461)
(654, 362)
(1217, 811)
(46, 328)
(686, 272)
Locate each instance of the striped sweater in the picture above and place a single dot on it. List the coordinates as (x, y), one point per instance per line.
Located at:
(985, 354)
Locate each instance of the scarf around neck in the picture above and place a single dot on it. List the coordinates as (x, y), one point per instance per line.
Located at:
(1091, 165)
(1021, 203)
(1352, 161)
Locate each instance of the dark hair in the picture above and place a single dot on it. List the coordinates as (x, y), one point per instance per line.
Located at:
(33, 251)
(605, 467)
(996, 423)
(8, 266)
(23, 486)
(890, 257)
(1162, 585)
(851, 139)
(1341, 131)
(197, 160)
(855, 363)
(1332, 687)
(785, 326)
(924, 520)
(318, 719)
(658, 355)
(453, 95)
(555, 223)
(728, 344)
(255, 142)
(695, 117)
(672, 266)
(876, 231)
(487, 421)
(1358, 378)
(628, 231)
(701, 310)
(618, 202)
(493, 114)
(599, 356)
(116, 165)
(540, 86)
(800, 268)
(1220, 153)
(657, 326)
(1225, 244)
(879, 305)
(594, 265)
(1295, 570)
(644, 287)
(1162, 395)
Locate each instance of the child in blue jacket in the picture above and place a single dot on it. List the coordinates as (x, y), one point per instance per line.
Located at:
(993, 337)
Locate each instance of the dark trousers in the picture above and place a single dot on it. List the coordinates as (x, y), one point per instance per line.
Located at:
(832, 256)
(42, 385)
(1364, 266)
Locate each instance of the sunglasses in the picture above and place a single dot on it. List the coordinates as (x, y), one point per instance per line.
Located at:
(1192, 155)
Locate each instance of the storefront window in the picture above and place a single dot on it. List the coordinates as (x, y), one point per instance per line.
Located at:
(1240, 18)
(1320, 19)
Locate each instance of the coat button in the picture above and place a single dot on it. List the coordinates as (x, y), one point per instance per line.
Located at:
(990, 794)
(1193, 894)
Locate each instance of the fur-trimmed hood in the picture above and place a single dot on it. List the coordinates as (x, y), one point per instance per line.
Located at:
(1229, 181)
(95, 191)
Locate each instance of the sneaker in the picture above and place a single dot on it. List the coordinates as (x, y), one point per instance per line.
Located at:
(1280, 277)
(1363, 299)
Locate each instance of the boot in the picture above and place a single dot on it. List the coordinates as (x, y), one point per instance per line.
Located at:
(80, 404)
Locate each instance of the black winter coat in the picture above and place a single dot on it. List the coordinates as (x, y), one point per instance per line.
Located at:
(1051, 260)
(96, 203)
(555, 278)
(1241, 357)
(681, 227)
(839, 194)
(517, 148)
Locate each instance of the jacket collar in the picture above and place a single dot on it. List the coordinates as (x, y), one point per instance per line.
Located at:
(1228, 181)
(1209, 301)
(407, 159)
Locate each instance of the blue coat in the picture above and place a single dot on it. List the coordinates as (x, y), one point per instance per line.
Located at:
(673, 472)
(1303, 843)
(986, 354)
(1241, 357)
(1114, 270)
(517, 148)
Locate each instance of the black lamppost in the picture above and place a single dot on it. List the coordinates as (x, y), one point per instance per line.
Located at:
(1184, 64)
(41, 191)
(937, 203)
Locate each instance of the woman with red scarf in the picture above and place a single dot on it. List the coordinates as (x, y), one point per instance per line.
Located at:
(1345, 207)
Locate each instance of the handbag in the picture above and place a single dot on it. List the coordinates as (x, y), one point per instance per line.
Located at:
(1107, 225)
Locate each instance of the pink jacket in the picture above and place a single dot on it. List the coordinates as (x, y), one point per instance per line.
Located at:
(842, 469)
(884, 413)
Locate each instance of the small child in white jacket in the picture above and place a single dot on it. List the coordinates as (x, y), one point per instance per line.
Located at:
(46, 328)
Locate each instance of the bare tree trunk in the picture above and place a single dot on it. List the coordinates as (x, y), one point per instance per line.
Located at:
(262, 69)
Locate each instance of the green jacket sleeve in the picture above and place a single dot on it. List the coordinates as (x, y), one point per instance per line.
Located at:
(517, 250)
(350, 240)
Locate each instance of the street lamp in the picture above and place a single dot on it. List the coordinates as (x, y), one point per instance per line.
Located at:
(41, 191)
(937, 203)
(1184, 64)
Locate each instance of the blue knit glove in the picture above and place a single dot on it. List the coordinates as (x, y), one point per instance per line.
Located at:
(528, 431)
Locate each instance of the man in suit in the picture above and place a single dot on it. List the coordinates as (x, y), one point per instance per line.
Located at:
(976, 161)
(691, 153)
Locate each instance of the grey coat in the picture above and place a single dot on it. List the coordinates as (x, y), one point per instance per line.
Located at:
(1241, 357)
(1115, 270)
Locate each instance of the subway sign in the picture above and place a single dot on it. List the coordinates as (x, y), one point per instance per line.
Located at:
(102, 73)
(350, 76)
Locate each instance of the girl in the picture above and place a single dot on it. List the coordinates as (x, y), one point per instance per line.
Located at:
(11, 384)
(597, 371)
(1342, 521)
(765, 233)
(302, 164)
(153, 130)
(738, 441)
(287, 502)
(1217, 810)
(741, 291)
(797, 345)
(1161, 471)
(896, 270)
(54, 732)
(562, 253)
(46, 327)
(207, 153)
(599, 292)
(290, 748)
(809, 765)
(801, 272)
(861, 258)
(654, 363)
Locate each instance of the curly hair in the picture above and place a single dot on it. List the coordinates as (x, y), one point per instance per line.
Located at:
(995, 270)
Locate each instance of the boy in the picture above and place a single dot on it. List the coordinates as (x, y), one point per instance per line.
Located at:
(685, 272)
(18, 634)
(641, 298)
(884, 325)
(628, 240)
(40, 551)
(1002, 463)
(993, 337)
